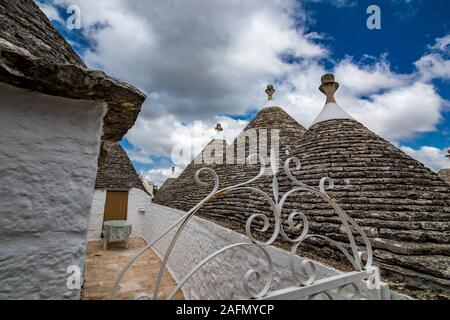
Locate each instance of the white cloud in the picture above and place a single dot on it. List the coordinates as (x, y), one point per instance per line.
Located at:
(200, 59)
(435, 64)
(442, 44)
(50, 11)
(159, 136)
(365, 79)
(158, 176)
(138, 155)
(432, 157)
(399, 106)
(402, 112)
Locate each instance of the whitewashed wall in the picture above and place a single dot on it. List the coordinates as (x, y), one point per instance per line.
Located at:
(96, 215)
(136, 199)
(221, 278)
(48, 163)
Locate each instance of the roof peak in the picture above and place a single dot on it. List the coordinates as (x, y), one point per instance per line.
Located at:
(328, 87)
(331, 110)
(270, 90)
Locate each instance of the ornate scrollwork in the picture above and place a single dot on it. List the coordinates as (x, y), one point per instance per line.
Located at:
(307, 270)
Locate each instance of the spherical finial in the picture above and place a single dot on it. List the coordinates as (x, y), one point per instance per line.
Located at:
(328, 87)
(218, 127)
(270, 91)
(173, 169)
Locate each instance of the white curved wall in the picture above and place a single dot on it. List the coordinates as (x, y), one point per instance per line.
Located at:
(222, 278)
(48, 163)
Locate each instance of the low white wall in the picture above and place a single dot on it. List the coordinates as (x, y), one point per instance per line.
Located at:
(136, 199)
(222, 278)
(96, 215)
(48, 163)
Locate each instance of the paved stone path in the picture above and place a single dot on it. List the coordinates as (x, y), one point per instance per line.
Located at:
(102, 267)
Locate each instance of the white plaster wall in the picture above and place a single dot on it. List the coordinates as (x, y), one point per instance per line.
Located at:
(96, 215)
(136, 199)
(221, 278)
(48, 165)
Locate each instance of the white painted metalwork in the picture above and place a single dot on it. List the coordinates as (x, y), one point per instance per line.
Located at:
(345, 285)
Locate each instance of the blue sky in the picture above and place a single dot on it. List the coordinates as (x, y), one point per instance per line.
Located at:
(408, 27)
(211, 61)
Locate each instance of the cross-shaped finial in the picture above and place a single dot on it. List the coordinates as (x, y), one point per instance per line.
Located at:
(270, 91)
(328, 87)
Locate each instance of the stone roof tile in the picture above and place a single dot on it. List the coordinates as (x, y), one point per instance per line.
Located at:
(117, 172)
(33, 55)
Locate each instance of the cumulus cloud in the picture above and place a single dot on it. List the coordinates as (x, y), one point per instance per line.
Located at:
(436, 64)
(158, 176)
(198, 60)
(442, 44)
(402, 112)
(200, 57)
(433, 66)
(50, 11)
(432, 157)
(364, 79)
(164, 135)
(395, 106)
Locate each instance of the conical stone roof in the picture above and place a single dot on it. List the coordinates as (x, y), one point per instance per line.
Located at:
(403, 207)
(117, 172)
(444, 174)
(166, 184)
(183, 193)
(232, 208)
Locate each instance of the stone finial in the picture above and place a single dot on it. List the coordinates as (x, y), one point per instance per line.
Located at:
(173, 169)
(448, 153)
(328, 87)
(218, 127)
(270, 91)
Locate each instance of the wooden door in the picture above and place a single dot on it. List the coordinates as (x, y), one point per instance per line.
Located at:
(116, 205)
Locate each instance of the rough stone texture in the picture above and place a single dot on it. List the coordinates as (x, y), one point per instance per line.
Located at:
(184, 193)
(136, 199)
(444, 174)
(48, 164)
(102, 267)
(117, 173)
(165, 185)
(34, 56)
(24, 25)
(402, 206)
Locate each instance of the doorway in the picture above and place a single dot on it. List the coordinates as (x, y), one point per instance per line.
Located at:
(116, 206)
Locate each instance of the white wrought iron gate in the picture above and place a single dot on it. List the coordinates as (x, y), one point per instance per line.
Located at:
(361, 283)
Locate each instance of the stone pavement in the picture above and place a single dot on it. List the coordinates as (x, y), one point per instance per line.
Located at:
(102, 267)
